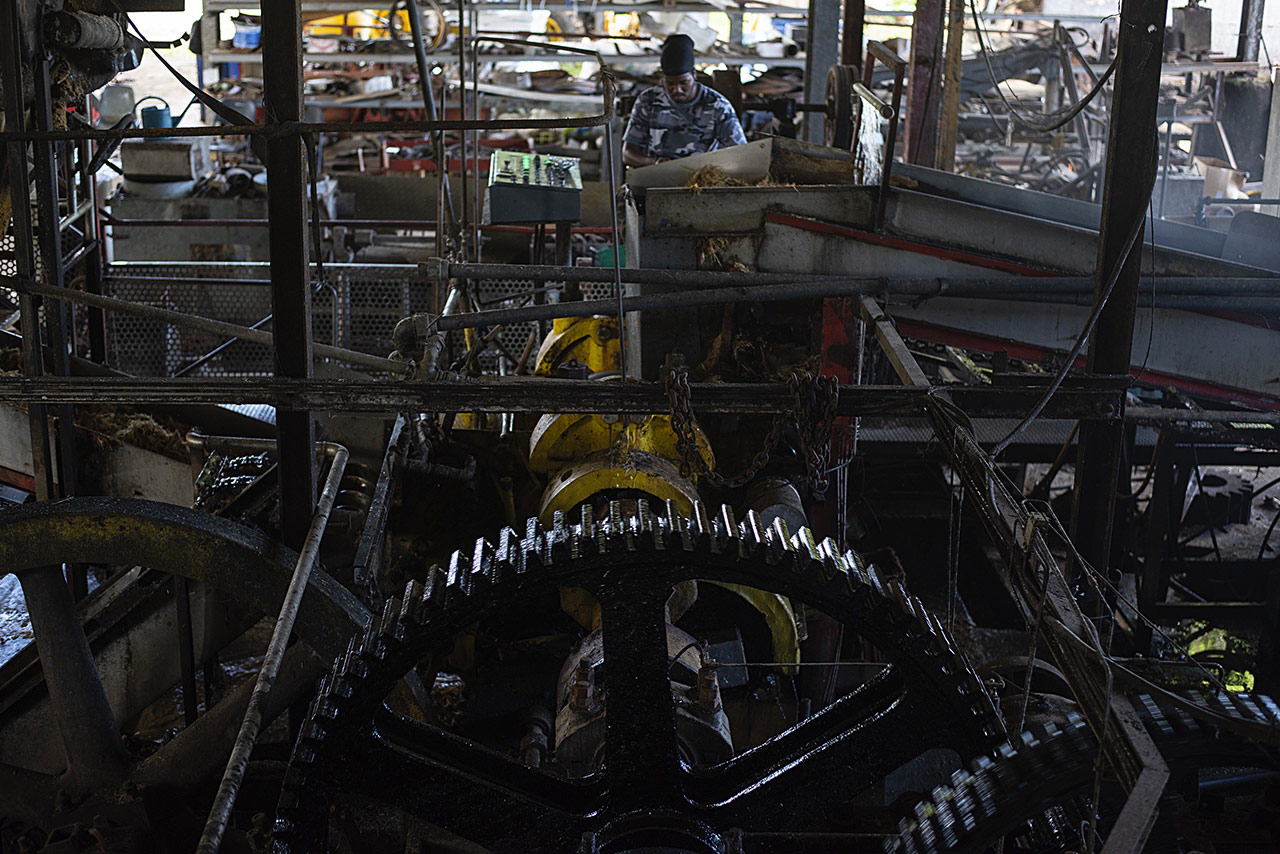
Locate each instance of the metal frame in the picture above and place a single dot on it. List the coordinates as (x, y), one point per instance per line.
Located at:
(1035, 576)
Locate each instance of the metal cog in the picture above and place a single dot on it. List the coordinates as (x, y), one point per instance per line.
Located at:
(352, 742)
(1055, 766)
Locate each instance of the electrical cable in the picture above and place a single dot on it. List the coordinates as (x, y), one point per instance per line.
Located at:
(224, 112)
(1066, 116)
(1262, 549)
(1151, 323)
(1099, 305)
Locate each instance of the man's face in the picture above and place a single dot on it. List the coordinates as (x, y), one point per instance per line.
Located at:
(682, 87)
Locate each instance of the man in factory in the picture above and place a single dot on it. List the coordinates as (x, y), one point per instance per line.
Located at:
(680, 117)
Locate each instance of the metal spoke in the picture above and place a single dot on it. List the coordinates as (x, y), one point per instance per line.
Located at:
(463, 757)
(463, 788)
(96, 757)
(800, 795)
(802, 742)
(641, 759)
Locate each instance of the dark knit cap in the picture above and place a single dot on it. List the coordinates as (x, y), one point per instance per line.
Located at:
(677, 55)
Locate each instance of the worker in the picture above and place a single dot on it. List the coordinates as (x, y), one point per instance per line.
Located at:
(680, 117)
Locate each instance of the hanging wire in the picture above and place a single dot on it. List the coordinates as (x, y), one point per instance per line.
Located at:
(1099, 305)
(1062, 117)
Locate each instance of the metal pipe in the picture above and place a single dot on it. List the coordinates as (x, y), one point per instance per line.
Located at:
(1250, 30)
(429, 100)
(617, 251)
(870, 97)
(193, 321)
(1175, 294)
(304, 128)
(211, 839)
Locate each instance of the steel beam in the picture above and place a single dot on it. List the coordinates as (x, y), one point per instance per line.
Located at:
(1041, 590)
(1250, 30)
(290, 270)
(851, 26)
(925, 101)
(12, 51)
(822, 50)
(949, 119)
(1131, 169)
(543, 395)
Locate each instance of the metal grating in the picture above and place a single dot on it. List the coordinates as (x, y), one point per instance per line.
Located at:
(490, 292)
(369, 301)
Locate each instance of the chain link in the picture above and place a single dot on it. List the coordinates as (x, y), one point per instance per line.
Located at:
(815, 400)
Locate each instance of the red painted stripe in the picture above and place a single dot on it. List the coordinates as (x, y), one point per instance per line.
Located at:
(1032, 352)
(17, 479)
(916, 246)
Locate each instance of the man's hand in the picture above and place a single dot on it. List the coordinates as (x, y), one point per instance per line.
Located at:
(635, 156)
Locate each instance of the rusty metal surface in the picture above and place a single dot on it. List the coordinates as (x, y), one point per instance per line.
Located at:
(226, 555)
(542, 395)
(630, 563)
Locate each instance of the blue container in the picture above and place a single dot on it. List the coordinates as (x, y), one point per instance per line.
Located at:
(157, 117)
(248, 34)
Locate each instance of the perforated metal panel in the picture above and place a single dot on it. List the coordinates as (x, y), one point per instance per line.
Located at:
(514, 337)
(369, 300)
(8, 297)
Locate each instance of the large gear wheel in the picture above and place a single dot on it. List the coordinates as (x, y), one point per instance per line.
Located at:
(643, 795)
(240, 561)
(1052, 766)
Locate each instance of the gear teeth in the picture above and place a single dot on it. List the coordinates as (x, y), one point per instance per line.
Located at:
(727, 529)
(752, 534)
(561, 544)
(808, 558)
(458, 585)
(648, 526)
(832, 566)
(412, 604)
(1155, 718)
(390, 626)
(779, 541)
(587, 527)
(484, 572)
(681, 527)
(435, 593)
(507, 556)
(534, 546)
(944, 816)
(703, 529)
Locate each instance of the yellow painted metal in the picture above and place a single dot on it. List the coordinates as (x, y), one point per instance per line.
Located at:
(778, 615)
(612, 471)
(559, 440)
(588, 455)
(591, 341)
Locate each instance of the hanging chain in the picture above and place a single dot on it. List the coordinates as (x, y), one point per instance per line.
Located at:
(815, 400)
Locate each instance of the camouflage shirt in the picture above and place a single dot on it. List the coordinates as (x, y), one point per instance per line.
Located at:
(665, 129)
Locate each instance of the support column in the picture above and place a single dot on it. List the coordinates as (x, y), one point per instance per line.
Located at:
(1271, 162)
(925, 86)
(855, 17)
(96, 756)
(290, 267)
(1131, 168)
(1250, 30)
(12, 69)
(949, 121)
(822, 50)
(57, 315)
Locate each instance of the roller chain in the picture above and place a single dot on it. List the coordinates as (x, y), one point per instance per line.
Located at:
(623, 559)
(1055, 766)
